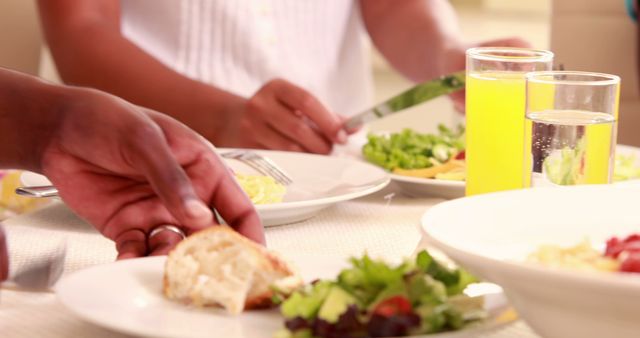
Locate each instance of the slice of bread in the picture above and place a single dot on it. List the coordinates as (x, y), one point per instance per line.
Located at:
(219, 267)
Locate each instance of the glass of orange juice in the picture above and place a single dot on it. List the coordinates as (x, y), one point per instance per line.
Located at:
(495, 111)
(570, 134)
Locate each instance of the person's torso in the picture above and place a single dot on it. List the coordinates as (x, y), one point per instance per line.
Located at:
(239, 45)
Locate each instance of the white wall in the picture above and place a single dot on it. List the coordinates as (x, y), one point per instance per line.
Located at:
(19, 36)
(597, 35)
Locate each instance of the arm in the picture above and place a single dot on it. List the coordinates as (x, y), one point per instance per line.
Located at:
(420, 38)
(89, 49)
(29, 112)
(85, 40)
(125, 169)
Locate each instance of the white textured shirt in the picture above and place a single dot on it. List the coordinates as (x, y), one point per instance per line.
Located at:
(239, 45)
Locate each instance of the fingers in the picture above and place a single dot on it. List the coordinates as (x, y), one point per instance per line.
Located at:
(298, 99)
(4, 256)
(152, 155)
(131, 244)
(169, 180)
(232, 203)
(507, 42)
(297, 130)
(162, 242)
(351, 131)
(269, 138)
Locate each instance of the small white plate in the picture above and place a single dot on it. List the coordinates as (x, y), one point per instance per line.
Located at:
(318, 182)
(429, 187)
(126, 296)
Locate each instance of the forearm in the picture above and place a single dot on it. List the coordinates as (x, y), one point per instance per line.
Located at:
(120, 67)
(30, 111)
(417, 37)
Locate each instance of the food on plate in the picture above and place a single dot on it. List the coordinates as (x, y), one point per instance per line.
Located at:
(450, 168)
(626, 251)
(582, 256)
(261, 189)
(621, 255)
(410, 153)
(376, 299)
(442, 156)
(625, 168)
(219, 267)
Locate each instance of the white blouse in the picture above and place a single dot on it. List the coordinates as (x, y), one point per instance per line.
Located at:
(238, 45)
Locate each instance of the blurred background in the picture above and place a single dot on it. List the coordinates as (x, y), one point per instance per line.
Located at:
(592, 35)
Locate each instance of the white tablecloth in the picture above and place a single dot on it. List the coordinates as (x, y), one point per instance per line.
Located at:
(384, 228)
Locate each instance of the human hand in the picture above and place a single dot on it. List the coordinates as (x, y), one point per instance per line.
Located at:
(282, 116)
(128, 170)
(457, 61)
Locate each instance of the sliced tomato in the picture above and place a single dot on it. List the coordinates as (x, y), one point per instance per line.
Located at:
(615, 246)
(631, 263)
(460, 155)
(393, 306)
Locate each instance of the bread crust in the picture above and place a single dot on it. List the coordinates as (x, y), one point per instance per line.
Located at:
(270, 263)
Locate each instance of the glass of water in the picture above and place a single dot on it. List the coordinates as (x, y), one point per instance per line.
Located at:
(570, 128)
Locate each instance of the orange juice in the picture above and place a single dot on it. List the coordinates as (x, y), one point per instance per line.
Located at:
(495, 111)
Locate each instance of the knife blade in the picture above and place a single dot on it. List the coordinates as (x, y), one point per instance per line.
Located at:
(418, 94)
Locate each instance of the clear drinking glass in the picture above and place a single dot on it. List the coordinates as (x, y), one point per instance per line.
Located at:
(495, 102)
(570, 128)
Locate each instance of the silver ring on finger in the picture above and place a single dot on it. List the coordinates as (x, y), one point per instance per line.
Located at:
(166, 227)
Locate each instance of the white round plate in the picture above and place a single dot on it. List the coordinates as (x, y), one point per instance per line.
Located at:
(318, 182)
(492, 235)
(429, 187)
(126, 296)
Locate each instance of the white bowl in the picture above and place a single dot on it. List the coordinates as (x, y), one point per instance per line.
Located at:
(491, 235)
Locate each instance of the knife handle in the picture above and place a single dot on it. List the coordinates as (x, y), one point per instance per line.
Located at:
(38, 191)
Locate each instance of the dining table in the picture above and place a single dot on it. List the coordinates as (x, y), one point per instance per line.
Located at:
(385, 224)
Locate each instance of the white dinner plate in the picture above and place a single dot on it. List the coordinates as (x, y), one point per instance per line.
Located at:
(126, 296)
(429, 187)
(318, 182)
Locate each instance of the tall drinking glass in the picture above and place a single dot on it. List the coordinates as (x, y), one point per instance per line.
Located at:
(495, 115)
(570, 128)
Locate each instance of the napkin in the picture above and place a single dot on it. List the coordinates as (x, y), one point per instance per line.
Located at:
(33, 236)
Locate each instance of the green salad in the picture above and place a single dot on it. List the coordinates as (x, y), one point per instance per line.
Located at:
(625, 168)
(376, 299)
(566, 166)
(412, 150)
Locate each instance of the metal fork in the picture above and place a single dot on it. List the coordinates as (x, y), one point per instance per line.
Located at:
(260, 163)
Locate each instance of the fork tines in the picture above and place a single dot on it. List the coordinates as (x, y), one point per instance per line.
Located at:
(260, 163)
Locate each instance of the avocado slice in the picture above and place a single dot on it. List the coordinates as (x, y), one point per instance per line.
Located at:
(337, 302)
(306, 304)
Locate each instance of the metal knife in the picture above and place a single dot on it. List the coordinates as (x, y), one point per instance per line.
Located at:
(418, 94)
